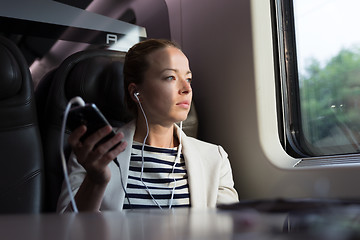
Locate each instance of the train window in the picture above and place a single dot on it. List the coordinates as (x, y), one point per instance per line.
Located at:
(318, 56)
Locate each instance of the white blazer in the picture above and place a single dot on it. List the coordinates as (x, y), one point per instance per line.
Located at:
(209, 175)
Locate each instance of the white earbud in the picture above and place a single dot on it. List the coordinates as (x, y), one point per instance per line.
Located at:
(136, 94)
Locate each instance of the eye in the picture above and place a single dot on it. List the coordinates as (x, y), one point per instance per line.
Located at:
(170, 78)
(189, 80)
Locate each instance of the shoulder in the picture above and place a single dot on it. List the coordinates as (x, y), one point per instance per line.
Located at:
(199, 142)
(128, 130)
(127, 126)
(204, 147)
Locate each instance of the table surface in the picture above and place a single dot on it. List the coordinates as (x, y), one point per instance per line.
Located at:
(183, 224)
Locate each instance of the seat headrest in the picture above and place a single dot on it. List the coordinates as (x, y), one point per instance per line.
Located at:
(10, 74)
(99, 80)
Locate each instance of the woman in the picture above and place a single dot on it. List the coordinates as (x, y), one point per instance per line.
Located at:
(156, 164)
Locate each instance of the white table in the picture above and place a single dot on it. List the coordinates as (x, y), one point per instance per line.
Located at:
(144, 224)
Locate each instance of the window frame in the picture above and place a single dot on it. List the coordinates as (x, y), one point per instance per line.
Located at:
(287, 81)
(290, 125)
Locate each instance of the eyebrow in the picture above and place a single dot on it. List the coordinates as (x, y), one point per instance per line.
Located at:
(174, 70)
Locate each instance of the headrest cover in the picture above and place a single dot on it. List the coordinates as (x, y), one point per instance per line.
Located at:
(99, 80)
(10, 74)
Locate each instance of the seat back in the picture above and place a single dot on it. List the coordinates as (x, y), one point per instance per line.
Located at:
(21, 159)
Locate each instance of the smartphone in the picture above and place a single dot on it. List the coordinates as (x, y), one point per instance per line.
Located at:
(90, 116)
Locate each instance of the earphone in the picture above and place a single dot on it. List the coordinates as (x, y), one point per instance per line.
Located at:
(80, 102)
(136, 94)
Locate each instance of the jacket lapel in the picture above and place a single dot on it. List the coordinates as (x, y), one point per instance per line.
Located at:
(195, 171)
(193, 161)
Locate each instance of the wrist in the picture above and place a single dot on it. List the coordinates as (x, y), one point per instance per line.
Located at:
(96, 183)
(90, 195)
(98, 178)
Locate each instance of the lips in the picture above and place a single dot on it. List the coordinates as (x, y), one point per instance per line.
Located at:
(184, 104)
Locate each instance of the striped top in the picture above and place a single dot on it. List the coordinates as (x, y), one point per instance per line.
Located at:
(158, 176)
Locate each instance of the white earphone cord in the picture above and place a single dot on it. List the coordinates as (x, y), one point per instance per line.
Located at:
(142, 159)
(142, 156)
(81, 102)
(173, 168)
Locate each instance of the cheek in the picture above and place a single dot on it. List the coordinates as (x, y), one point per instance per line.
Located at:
(165, 103)
(159, 98)
(163, 92)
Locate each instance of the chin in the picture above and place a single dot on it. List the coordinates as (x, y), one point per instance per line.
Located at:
(183, 118)
(180, 117)
(178, 120)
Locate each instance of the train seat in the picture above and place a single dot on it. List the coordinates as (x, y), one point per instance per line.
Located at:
(21, 154)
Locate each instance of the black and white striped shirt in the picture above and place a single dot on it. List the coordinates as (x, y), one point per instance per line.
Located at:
(157, 179)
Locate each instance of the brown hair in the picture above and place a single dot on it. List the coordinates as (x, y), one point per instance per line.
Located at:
(136, 64)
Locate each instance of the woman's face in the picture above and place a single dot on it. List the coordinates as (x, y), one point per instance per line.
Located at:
(166, 93)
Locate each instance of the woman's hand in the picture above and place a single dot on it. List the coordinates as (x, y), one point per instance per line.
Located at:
(93, 158)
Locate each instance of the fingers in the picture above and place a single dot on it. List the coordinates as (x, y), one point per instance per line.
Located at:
(89, 142)
(94, 156)
(110, 149)
(75, 136)
(88, 151)
(98, 135)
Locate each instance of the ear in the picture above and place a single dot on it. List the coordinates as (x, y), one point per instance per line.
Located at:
(132, 88)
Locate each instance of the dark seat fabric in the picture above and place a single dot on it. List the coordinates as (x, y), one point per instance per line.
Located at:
(21, 157)
(97, 77)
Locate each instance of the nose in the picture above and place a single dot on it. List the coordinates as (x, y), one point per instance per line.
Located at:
(185, 87)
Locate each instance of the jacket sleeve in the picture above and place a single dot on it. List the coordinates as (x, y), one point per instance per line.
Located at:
(226, 191)
(76, 176)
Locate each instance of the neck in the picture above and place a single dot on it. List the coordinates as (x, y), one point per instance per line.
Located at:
(159, 135)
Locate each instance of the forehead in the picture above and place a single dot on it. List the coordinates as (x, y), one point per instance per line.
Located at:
(168, 57)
